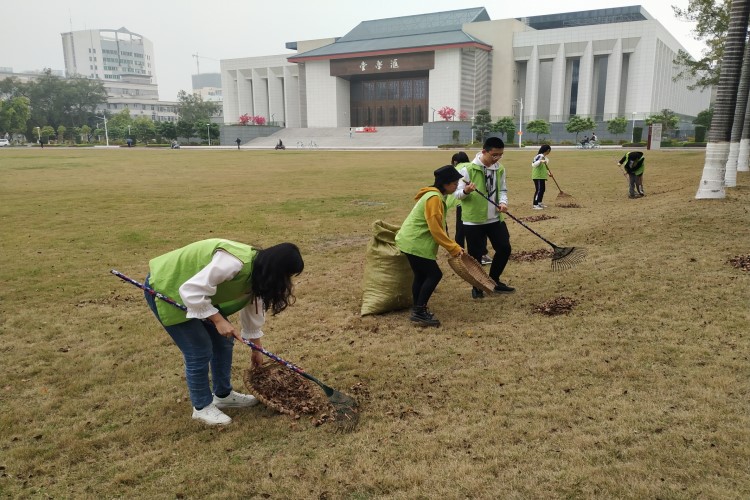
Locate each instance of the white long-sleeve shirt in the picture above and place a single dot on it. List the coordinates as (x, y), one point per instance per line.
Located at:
(492, 213)
(196, 294)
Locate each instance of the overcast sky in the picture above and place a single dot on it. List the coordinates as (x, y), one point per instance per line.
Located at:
(224, 29)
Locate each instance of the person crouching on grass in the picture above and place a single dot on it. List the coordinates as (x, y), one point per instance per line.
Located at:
(216, 278)
(419, 237)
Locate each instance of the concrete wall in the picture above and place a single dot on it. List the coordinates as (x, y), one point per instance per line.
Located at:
(439, 133)
(229, 133)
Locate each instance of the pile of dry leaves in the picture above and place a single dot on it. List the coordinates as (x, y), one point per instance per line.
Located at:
(537, 218)
(556, 306)
(531, 255)
(281, 389)
(740, 262)
(569, 205)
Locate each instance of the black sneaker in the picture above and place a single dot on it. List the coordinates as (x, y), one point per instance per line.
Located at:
(503, 288)
(423, 317)
(476, 293)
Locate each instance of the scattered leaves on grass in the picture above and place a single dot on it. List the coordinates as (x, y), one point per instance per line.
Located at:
(556, 306)
(113, 300)
(537, 218)
(569, 205)
(281, 389)
(740, 262)
(531, 255)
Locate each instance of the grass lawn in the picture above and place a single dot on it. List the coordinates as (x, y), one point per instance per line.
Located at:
(640, 392)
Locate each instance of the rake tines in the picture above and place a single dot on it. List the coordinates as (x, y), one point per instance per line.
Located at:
(347, 416)
(567, 257)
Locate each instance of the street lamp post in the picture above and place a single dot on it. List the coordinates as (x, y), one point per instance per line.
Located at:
(632, 131)
(208, 132)
(472, 130)
(38, 135)
(520, 121)
(106, 132)
(433, 114)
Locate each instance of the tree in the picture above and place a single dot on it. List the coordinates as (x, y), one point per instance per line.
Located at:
(167, 130)
(86, 133)
(505, 125)
(482, 123)
(61, 134)
(577, 124)
(667, 118)
(185, 128)
(143, 129)
(711, 18)
(717, 150)
(47, 132)
(730, 170)
(14, 113)
(617, 126)
(446, 113)
(55, 101)
(192, 107)
(704, 118)
(538, 127)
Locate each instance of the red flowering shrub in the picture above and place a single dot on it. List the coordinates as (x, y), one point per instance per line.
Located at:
(447, 113)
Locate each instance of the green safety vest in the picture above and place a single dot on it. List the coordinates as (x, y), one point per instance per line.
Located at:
(414, 237)
(474, 206)
(171, 270)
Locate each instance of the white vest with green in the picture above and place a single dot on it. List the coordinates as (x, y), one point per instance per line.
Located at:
(474, 206)
(414, 237)
(171, 270)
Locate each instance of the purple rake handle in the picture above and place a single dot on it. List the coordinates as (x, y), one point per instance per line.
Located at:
(166, 299)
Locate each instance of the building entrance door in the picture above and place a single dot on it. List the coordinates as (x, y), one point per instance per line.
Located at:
(390, 102)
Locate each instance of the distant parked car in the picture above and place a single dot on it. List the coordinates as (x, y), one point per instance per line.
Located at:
(4, 142)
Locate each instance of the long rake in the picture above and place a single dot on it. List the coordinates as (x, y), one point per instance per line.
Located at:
(561, 194)
(562, 257)
(347, 415)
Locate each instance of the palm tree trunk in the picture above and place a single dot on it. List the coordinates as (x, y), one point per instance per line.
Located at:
(743, 159)
(720, 134)
(730, 173)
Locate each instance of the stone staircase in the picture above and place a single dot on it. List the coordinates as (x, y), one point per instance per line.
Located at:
(340, 138)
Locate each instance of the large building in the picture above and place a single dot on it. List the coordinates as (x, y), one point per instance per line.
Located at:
(125, 62)
(109, 55)
(394, 72)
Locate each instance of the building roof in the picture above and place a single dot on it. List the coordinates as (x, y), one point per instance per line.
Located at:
(406, 34)
(587, 18)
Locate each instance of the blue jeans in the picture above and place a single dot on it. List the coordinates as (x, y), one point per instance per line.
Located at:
(202, 346)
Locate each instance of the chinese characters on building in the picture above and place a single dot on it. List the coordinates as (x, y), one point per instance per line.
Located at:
(392, 64)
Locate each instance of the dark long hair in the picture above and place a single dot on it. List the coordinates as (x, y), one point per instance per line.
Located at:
(544, 149)
(273, 269)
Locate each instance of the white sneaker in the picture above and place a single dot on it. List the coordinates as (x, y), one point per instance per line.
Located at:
(486, 259)
(235, 400)
(211, 415)
(537, 207)
(543, 205)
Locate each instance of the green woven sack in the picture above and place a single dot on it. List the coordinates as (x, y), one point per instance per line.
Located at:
(388, 276)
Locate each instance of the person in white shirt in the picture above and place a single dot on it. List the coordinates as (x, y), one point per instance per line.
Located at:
(216, 278)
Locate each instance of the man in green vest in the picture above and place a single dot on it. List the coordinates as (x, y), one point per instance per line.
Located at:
(215, 278)
(481, 218)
